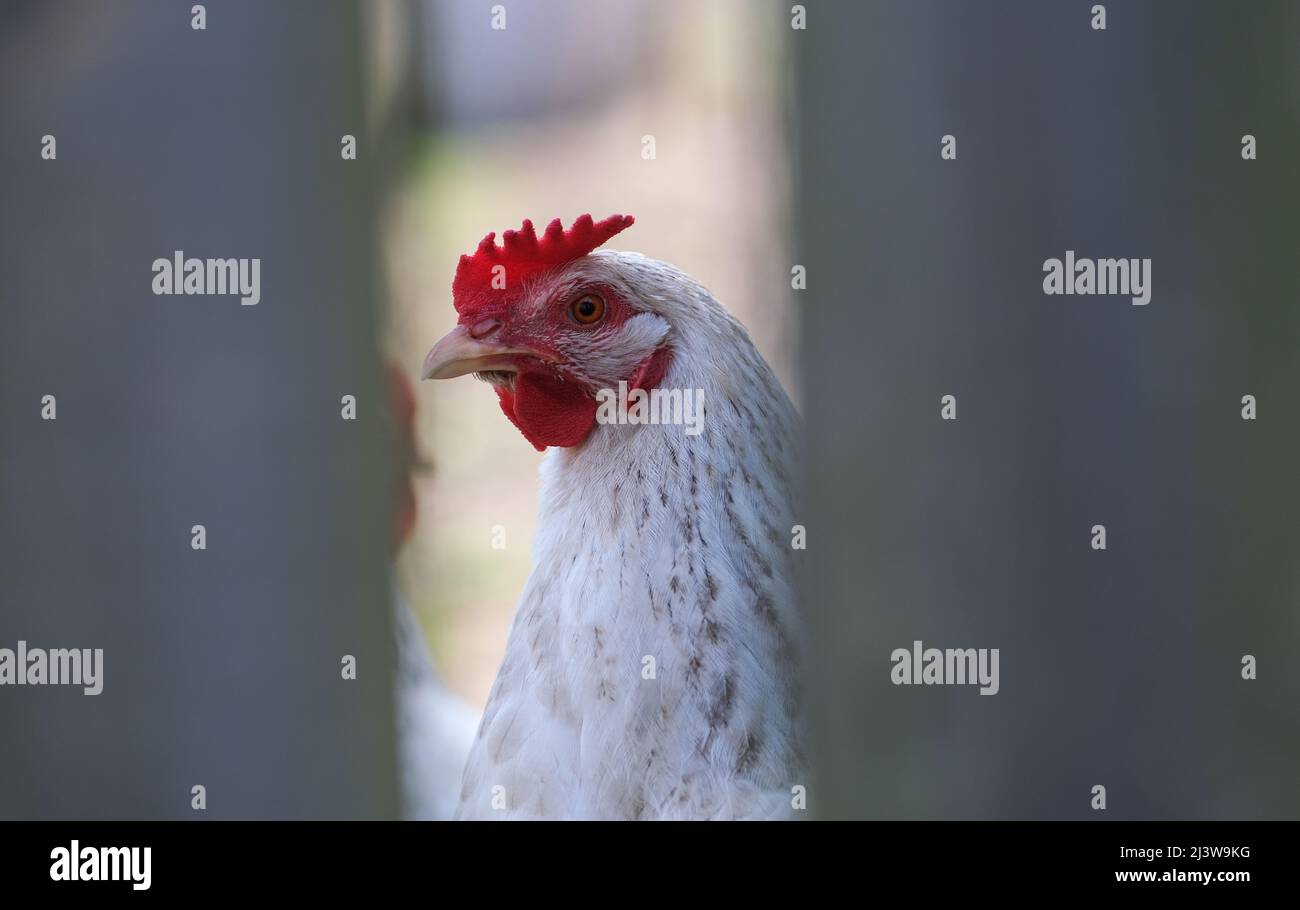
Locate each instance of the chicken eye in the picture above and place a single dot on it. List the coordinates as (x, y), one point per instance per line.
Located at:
(587, 309)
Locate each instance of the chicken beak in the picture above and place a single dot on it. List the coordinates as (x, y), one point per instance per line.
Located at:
(459, 353)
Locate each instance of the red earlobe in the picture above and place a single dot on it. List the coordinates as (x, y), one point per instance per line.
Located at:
(652, 370)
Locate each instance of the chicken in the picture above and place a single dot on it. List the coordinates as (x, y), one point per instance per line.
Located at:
(651, 670)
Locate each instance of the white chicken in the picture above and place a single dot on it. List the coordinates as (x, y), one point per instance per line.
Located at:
(652, 667)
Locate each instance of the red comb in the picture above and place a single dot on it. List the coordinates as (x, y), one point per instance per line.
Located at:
(524, 254)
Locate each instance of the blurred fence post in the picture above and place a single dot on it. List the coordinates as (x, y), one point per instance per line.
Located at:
(1119, 668)
(222, 666)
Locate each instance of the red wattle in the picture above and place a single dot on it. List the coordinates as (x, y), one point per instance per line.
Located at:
(548, 410)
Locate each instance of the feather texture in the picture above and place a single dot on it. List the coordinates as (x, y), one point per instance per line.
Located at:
(651, 669)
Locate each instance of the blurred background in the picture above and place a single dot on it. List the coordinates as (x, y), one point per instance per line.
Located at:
(772, 146)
